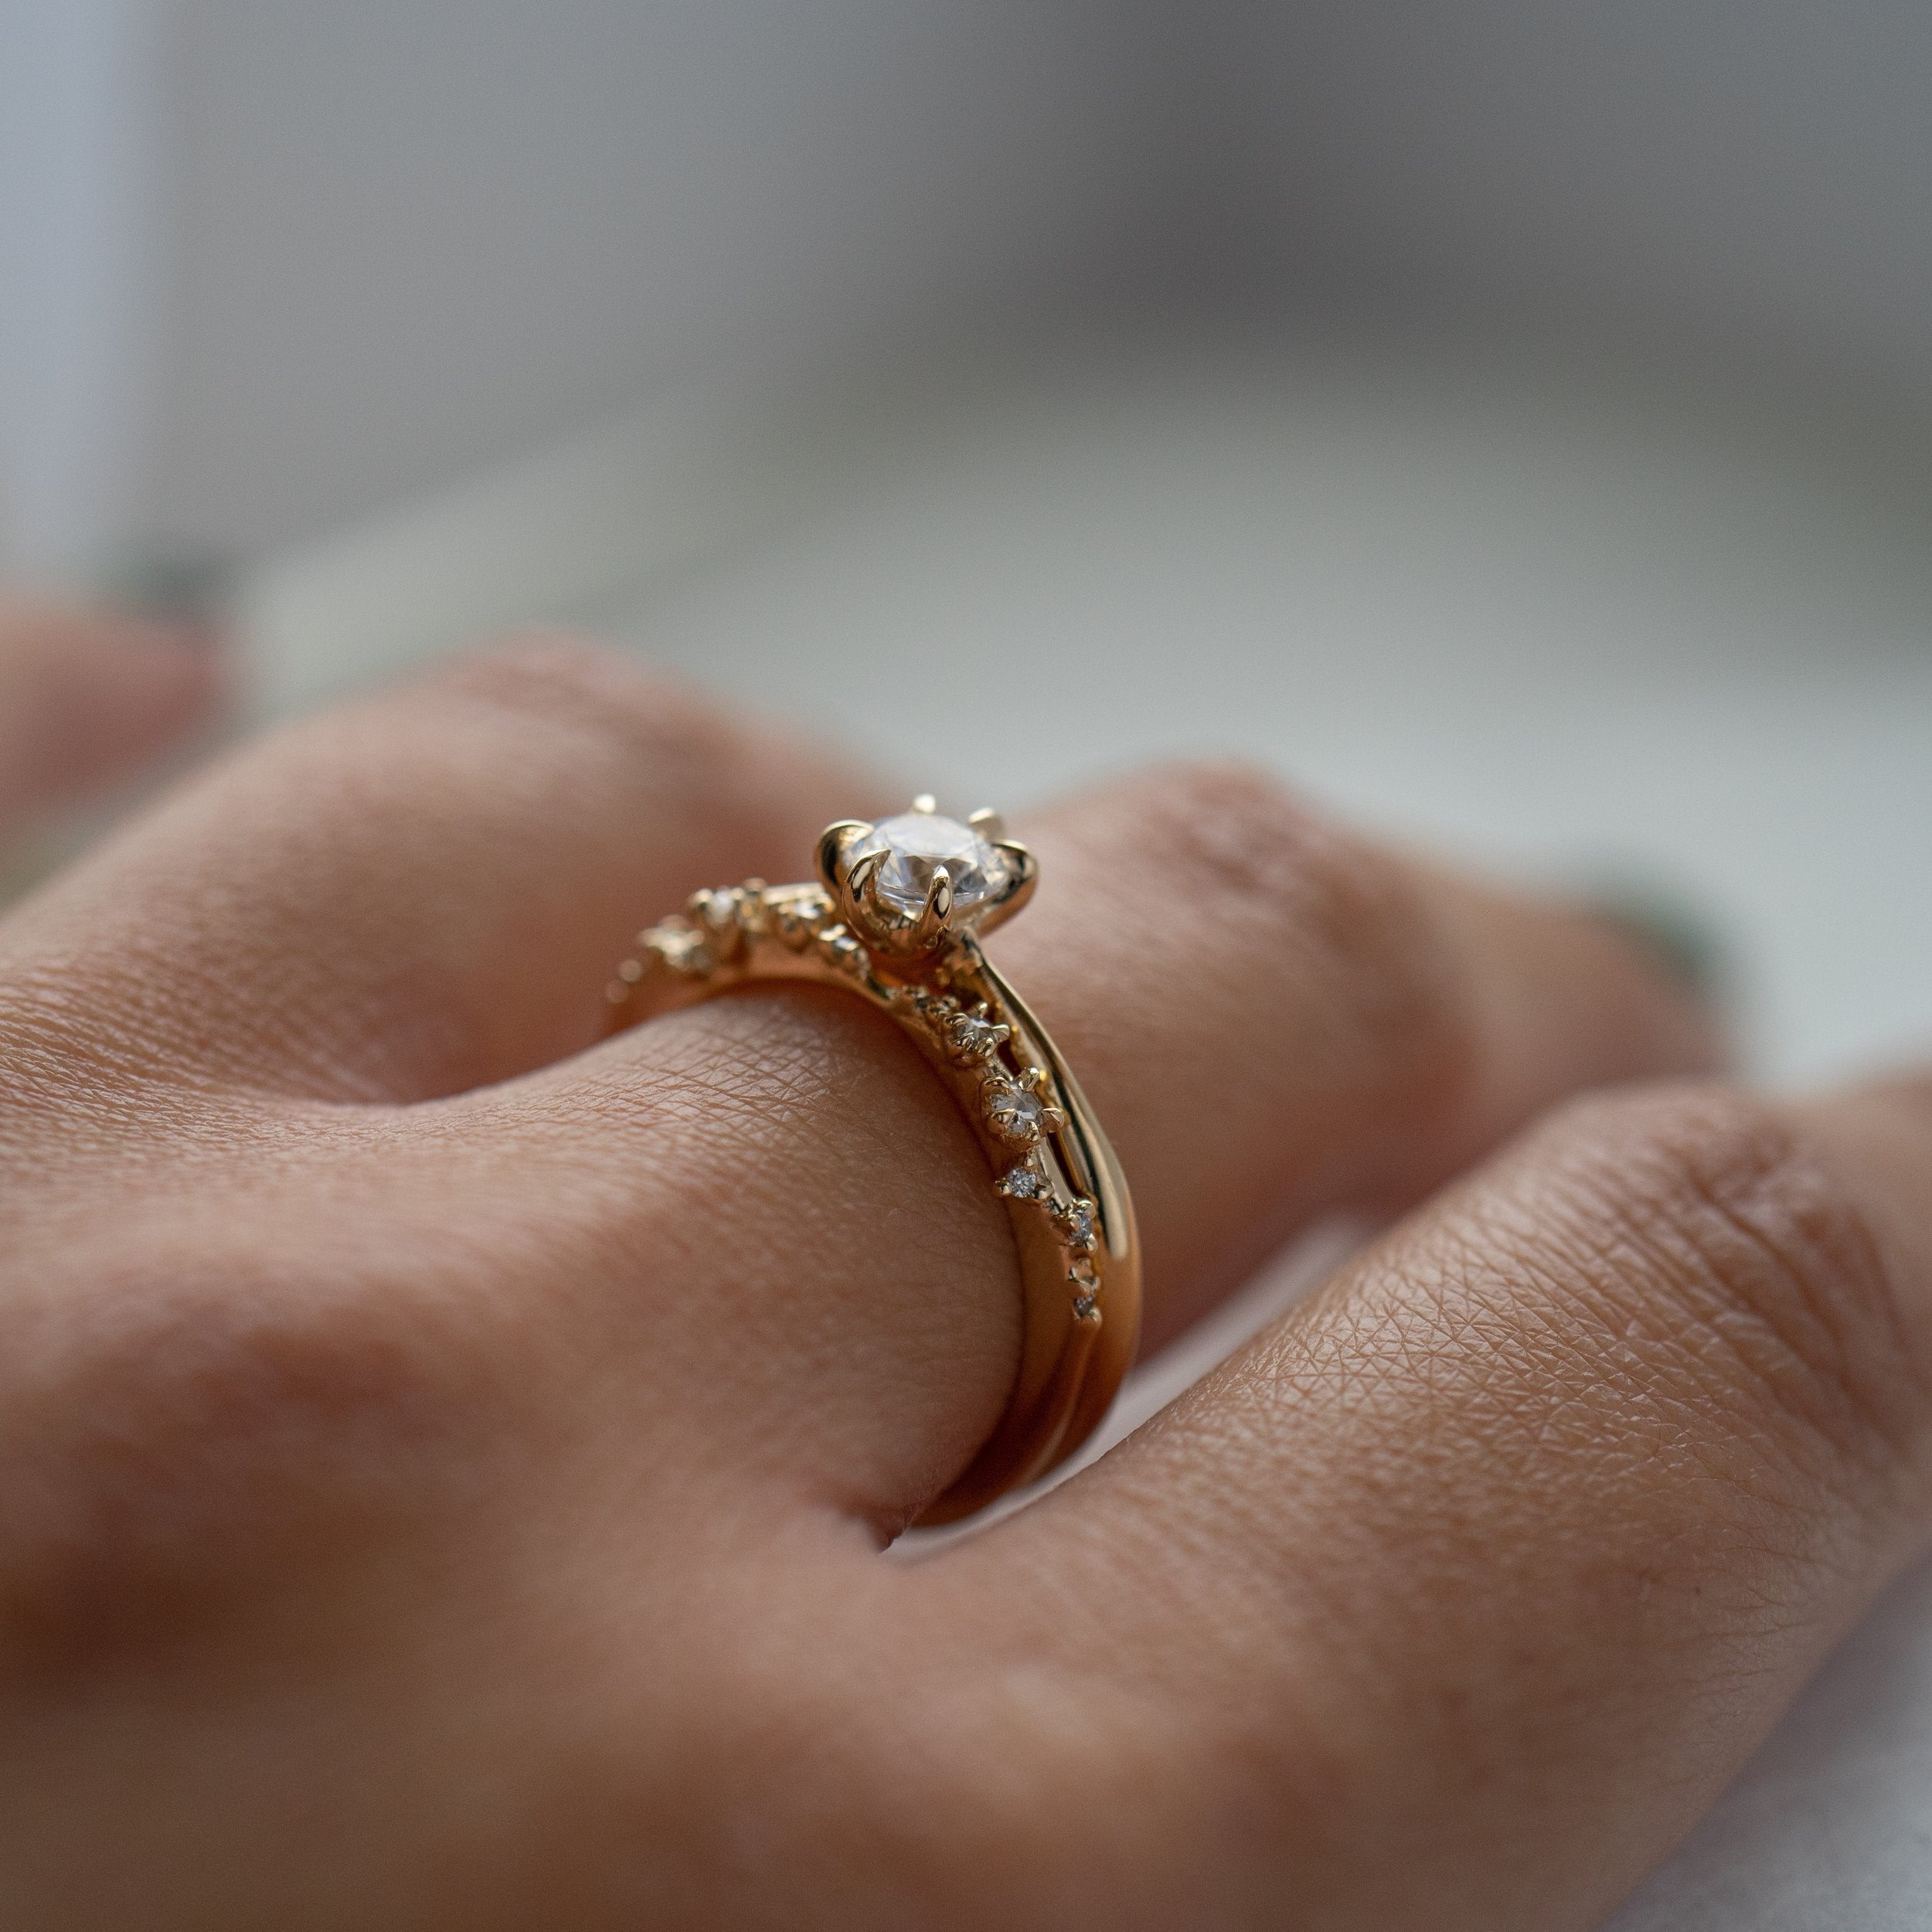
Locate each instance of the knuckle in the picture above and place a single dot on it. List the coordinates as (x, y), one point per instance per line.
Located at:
(1229, 830)
(610, 725)
(1346, 930)
(555, 680)
(1725, 1243)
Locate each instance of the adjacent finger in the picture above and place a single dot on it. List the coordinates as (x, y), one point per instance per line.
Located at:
(86, 695)
(1271, 1016)
(1278, 1017)
(423, 892)
(1460, 1593)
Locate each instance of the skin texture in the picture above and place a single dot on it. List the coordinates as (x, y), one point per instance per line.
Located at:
(445, 1456)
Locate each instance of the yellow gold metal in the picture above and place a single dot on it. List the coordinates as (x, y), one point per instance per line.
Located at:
(1023, 875)
(1071, 1218)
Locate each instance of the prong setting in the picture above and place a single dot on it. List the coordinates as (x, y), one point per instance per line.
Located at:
(909, 885)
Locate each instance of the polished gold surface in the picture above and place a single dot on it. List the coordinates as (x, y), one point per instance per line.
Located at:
(896, 917)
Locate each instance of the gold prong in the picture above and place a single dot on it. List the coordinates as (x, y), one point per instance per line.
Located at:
(930, 925)
(834, 842)
(987, 823)
(1022, 875)
(925, 802)
(859, 896)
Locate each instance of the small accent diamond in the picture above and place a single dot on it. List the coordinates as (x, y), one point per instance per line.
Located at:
(1023, 1184)
(1017, 1112)
(793, 915)
(1087, 1308)
(683, 952)
(719, 917)
(968, 1037)
(1075, 1222)
(840, 948)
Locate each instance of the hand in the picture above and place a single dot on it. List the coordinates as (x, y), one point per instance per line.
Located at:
(87, 695)
(444, 1459)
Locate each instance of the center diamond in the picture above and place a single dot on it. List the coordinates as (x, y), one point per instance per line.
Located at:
(917, 843)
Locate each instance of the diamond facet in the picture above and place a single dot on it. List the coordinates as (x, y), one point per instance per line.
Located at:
(1023, 1184)
(915, 843)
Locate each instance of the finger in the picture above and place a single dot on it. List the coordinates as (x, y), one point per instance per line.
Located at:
(1270, 1017)
(1277, 1018)
(1471, 1584)
(423, 892)
(87, 695)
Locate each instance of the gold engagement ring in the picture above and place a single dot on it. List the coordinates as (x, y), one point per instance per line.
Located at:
(896, 916)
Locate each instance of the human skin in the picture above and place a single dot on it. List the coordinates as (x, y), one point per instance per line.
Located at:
(87, 694)
(445, 1455)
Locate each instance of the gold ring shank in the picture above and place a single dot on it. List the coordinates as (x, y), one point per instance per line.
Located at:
(1071, 1219)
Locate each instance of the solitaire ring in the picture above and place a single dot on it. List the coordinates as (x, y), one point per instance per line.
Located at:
(896, 916)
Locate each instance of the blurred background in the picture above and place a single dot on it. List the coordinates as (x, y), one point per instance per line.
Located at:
(1513, 421)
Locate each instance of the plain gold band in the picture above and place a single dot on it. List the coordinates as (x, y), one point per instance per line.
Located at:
(1071, 1218)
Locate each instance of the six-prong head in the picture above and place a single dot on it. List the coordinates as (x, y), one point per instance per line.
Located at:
(910, 883)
